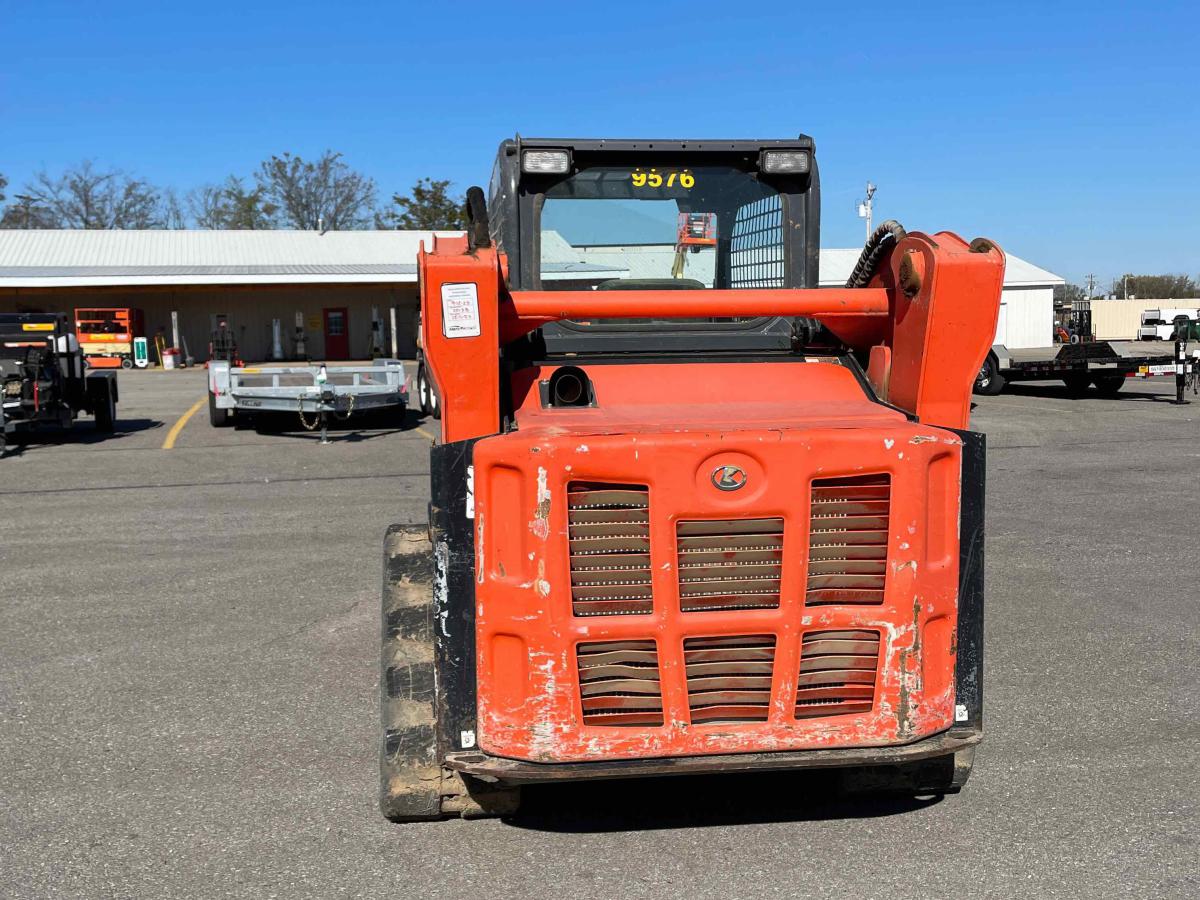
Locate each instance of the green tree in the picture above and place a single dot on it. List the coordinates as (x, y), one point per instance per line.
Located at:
(1157, 287)
(429, 206)
(231, 205)
(326, 194)
(1066, 294)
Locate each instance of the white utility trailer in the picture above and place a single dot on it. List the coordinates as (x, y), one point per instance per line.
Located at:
(313, 392)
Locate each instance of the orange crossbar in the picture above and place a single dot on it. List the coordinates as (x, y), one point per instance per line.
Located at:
(817, 302)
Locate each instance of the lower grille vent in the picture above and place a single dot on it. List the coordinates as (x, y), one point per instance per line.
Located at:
(609, 527)
(729, 678)
(729, 564)
(837, 673)
(848, 534)
(618, 683)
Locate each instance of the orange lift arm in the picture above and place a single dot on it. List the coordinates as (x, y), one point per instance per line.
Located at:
(928, 318)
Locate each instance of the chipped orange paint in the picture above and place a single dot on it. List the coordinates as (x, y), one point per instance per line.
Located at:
(823, 436)
(934, 305)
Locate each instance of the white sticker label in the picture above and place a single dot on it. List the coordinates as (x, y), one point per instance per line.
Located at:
(460, 310)
(960, 713)
(468, 739)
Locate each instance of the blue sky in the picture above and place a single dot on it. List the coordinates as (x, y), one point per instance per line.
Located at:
(1067, 132)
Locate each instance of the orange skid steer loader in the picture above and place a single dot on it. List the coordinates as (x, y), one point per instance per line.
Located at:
(713, 519)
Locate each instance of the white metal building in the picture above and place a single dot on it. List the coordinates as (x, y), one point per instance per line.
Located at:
(335, 282)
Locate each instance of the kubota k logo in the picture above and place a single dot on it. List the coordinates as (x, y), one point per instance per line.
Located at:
(729, 478)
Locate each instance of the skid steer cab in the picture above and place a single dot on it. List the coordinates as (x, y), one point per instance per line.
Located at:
(690, 512)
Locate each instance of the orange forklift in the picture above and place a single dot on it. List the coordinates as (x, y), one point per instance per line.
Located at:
(719, 523)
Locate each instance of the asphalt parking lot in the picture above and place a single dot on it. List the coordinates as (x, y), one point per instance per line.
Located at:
(188, 677)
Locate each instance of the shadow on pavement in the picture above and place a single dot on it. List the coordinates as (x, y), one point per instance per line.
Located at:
(1060, 392)
(82, 433)
(702, 801)
(356, 429)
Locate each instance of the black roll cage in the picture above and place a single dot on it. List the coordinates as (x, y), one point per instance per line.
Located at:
(514, 208)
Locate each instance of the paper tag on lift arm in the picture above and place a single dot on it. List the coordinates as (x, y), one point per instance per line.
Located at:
(460, 310)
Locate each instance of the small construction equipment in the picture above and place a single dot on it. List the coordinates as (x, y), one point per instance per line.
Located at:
(725, 523)
(107, 336)
(695, 231)
(223, 345)
(315, 393)
(44, 383)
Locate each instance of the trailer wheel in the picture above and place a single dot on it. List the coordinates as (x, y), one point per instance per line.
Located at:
(218, 418)
(126, 362)
(1077, 385)
(423, 390)
(435, 403)
(1109, 385)
(105, 411)
(989, 382)
(413, 784)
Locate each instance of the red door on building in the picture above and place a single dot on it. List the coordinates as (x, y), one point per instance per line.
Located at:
(337, 333)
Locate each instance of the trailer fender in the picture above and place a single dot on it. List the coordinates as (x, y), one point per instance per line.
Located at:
(100, 386)
(218, 384)
(101, 396)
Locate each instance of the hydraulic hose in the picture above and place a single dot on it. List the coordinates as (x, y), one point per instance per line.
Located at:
(873, 251)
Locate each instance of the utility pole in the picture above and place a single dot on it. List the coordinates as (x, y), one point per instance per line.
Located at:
(1125, 289)
(864, 207)
(1091, 283)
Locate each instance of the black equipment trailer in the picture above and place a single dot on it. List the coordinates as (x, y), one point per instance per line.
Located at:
(1105, 364)
(44, 383)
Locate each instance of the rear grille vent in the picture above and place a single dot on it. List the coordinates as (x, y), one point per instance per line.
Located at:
(837, 673)
(618, 683)
(730, 564)
(847, 545)
(609, 527)
(729, 678)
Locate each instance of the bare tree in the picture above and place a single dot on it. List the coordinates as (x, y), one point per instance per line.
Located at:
(3, 185)
(26, 213)
(84, 197)
(326, 194)
(429, 207)
(172, 213)
(206, 206)
(232, 205)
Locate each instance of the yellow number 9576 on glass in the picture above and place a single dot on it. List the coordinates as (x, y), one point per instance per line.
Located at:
(656, 179)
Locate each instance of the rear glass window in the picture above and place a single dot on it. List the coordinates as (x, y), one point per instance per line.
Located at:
(619, 227)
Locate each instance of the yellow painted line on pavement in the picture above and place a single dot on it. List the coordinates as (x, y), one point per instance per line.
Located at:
(420, 430)
(169, 443)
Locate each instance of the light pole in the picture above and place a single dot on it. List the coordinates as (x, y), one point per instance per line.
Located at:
(864, 207)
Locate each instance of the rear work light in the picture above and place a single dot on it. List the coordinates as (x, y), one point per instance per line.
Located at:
(546, 162)
(784, 162)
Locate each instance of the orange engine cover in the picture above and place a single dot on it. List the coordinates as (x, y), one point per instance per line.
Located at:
(649, 587)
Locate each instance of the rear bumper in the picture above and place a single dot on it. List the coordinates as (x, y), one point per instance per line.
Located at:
(495, 768)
